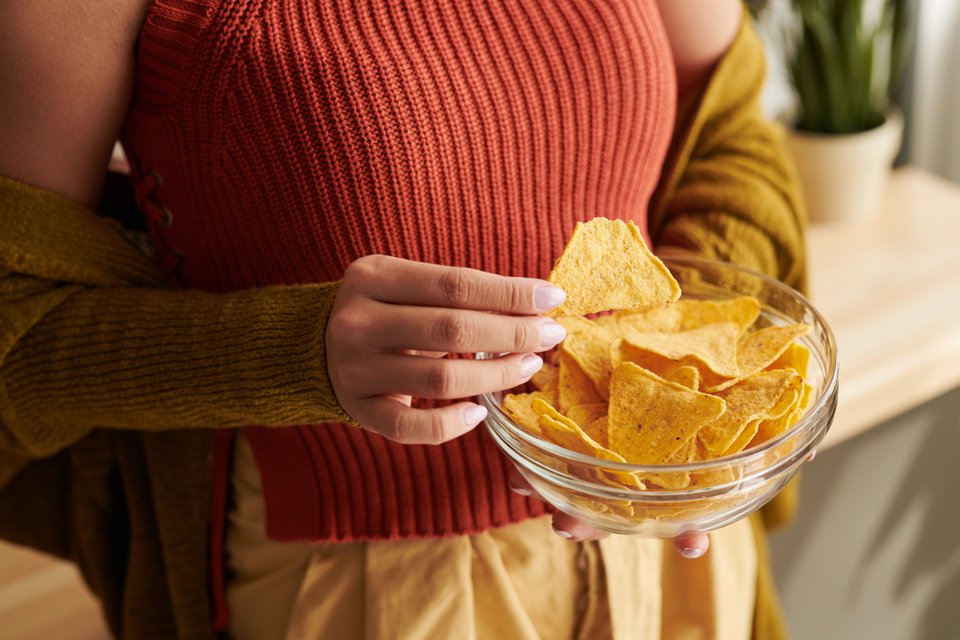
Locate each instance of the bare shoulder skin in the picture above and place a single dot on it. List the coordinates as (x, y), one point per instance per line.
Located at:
(66, 69)
(700, 32)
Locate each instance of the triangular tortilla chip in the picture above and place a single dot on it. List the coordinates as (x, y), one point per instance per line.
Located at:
(607, 265)
(687, 375)
(584, 414)
(574, 385)
(742, 311)
(598, 430)
(547, 378)
(759, 349)
(562, 431)
(751, 399)
(651, 419)
(714, 345)
(590, 348)
(663, 318)
(676, 480)
(744, 438)
(773, 427)
(518, 407)
(796, 357)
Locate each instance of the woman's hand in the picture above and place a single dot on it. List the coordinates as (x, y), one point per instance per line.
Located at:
(394, 319)
(691, 544)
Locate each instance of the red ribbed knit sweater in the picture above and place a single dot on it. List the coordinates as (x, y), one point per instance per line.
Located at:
(275, 141)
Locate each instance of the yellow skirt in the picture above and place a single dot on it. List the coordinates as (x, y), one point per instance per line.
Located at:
(518, 582)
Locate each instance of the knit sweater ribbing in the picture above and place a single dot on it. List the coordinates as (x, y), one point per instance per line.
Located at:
(284, 140)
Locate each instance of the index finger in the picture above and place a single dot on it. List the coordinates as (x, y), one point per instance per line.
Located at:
(400, 281)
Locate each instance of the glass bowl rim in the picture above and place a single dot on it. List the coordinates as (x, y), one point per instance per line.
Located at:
(822, 405)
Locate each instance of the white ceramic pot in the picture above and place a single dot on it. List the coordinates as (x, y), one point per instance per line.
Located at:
(844, 176)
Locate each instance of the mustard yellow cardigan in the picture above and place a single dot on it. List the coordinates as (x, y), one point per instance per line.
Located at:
(91, 378)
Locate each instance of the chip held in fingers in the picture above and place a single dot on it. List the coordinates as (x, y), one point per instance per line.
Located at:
(607, 265)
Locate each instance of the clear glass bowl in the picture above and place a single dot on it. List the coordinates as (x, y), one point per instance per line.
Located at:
(720, 491)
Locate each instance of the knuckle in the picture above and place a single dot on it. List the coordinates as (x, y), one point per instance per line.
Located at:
(509, 375)
(416, 427)
(338, 333)
(456, 286)
(346, 326)
(436, 431)
(442, 380)
(397, 428)
(516, 296)
(452, 331)
(364, 269)
(521, 336)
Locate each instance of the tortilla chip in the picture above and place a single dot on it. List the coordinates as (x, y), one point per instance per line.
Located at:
(743, 438)
(590, 349)
(687, 375)
(563, 432)
(751, 399)
(584, 414)
(743, 311)
(675, 480)
(759, 349)
(709, 477)
(713, 345)
(774, 426)
(518, 407)
(796, 357)
(547, 378)
(575, 324)
(650, 419)
(607, 265)
(572, 437)
(664, 318)
(623, 351)
(598, 429)
(574, 385)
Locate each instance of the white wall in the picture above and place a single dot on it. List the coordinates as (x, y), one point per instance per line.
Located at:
(935, 134)
(875, 551)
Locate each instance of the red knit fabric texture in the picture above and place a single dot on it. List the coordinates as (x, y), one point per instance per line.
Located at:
(276, 141)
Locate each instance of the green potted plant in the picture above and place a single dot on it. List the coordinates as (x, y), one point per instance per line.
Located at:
(844, 70)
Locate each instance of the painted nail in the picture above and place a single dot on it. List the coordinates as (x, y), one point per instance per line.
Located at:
(530, 364)
(523, 491)
(473, 415)
(692, 553)
(551, 333)
(547, 297)
(563, 533)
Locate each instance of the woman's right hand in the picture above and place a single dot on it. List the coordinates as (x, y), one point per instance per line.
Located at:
(393, 321)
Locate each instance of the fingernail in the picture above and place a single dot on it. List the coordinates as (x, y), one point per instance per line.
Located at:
(563, 533)
(813, 454)
(530, 364)
(523, 491)
(473, 415)
(692, 553)
(551, 333)
(547, 297)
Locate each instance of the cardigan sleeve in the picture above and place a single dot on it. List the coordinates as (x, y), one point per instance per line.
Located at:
(730, 190)
(90, 337)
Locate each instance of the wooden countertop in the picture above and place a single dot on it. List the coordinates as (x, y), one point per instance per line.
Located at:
(890, 289)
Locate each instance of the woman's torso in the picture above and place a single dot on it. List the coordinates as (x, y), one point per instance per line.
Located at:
(275, 141)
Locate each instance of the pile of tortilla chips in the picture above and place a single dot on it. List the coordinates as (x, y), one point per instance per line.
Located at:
(659, 381)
